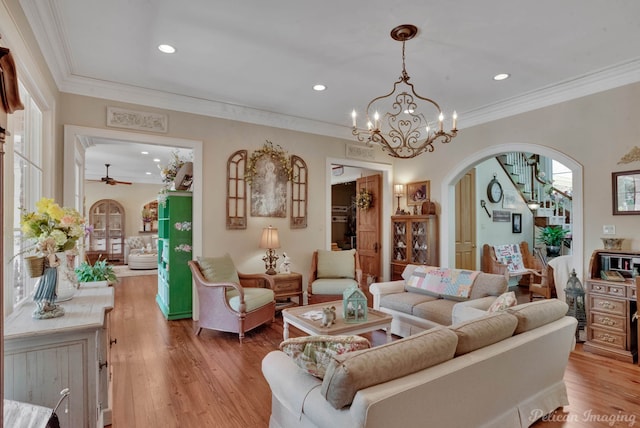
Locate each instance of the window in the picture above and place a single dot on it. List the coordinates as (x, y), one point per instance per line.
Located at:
(26, 129)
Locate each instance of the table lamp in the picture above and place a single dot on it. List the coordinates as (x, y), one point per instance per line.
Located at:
(398, 190)
(270, 241)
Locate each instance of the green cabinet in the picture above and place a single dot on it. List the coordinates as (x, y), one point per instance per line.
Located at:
(174, 251)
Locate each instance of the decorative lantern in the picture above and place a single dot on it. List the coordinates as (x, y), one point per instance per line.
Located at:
(354, 305)
(575, 299)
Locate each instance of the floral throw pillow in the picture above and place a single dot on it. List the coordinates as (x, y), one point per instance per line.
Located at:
(504, 301)
(313, 353)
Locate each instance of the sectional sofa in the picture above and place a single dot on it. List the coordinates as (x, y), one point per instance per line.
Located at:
(474, 374)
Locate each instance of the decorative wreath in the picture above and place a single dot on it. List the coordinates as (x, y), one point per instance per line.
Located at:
(277, 154)
(364, 199)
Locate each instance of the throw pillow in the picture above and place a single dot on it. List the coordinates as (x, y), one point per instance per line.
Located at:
(219, 269)
(313, 353)
(135, 242)
(336, 264)
(504, 301)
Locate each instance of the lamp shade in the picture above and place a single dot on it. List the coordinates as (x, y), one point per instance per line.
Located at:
(269, 238)
(398, 189)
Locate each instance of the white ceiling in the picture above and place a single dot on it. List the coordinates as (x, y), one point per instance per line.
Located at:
(256, 61)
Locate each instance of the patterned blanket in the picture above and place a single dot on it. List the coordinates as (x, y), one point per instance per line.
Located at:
(443, 281)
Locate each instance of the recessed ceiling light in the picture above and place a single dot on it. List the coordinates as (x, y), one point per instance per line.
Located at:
(144, 153)
(319, 87)
(167, 49)
(148, 173)
(501, 76)
(156, 160)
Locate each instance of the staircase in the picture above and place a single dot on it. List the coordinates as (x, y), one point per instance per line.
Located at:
(532, 176)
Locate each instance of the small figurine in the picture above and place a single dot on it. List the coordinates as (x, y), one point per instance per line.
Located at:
(328, 316)
(285, 266)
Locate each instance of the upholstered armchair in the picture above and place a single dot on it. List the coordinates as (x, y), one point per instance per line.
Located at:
(229, 300)
(331, 273)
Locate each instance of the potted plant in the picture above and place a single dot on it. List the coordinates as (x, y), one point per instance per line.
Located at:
(99, 271)
(552, 237)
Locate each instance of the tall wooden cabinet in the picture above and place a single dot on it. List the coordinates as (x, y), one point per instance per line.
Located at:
(107, 239)
(174, 251)
(415, 241)
(610, 305)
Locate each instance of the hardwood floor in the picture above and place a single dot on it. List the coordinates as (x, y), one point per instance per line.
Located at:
(163, 375)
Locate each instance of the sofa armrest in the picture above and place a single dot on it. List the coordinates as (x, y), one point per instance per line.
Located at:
(379, 289)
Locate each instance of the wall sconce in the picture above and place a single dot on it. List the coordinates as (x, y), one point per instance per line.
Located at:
(270, 241)
(398, 190)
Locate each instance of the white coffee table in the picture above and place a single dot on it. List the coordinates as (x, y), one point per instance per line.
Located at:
(376, 320)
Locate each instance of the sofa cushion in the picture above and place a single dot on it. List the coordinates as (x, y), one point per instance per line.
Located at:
(135, 242)
(439, 311)
(404, 302)
(488, 284)
(219, 269)
(535, 314)
(332, 285)
(353, 371)
(504, 301)
(313, 353)
(484, 331)
(254, 298)
(336, 264)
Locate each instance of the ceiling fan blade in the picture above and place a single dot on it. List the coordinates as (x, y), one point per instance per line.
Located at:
(121, 182)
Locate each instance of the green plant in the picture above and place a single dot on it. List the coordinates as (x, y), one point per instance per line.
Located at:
(552, 235)
(99, 271)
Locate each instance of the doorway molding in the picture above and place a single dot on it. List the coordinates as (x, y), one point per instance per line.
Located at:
(73, 189)
(447, 224)
(387, 184)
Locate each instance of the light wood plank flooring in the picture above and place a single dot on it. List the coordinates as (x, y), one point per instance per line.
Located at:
(163, 375)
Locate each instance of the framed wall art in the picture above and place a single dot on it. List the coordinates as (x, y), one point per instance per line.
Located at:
(626, 192)
(418, 192)
(516, 223)
(268, 172)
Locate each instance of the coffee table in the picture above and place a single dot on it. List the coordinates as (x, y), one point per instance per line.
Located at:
(376, 320)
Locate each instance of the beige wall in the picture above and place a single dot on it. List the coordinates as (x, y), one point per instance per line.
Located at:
(587, 130)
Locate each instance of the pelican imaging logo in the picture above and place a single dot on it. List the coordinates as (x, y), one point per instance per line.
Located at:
(618, 419)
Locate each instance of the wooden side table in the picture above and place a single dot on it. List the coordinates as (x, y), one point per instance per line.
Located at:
(287, 285)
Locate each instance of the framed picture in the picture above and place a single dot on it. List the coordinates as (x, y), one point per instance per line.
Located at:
(269, 188)
(418, 192)
(500, 216)
(516, 223)
(510, 200)
(626, 192)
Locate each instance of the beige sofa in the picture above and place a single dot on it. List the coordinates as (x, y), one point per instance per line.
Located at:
(414, 311)
(417, 381)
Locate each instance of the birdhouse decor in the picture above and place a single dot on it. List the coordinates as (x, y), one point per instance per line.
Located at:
(354, 305)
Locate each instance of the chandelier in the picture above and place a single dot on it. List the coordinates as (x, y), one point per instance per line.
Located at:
(397, 120)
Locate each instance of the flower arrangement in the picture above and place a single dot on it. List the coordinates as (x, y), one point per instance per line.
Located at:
(277, 154)
(55, 228)
(147, 215)
(169, 172)
(364, 200)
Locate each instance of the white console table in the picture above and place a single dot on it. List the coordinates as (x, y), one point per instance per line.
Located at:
(42, 357)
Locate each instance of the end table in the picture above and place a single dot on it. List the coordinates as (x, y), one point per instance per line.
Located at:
(287, 285)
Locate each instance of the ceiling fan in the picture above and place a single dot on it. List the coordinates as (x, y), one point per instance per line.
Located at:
(110, 180)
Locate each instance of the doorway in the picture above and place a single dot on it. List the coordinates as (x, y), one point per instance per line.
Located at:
(73, 189)
(385, 171)
(447, 242)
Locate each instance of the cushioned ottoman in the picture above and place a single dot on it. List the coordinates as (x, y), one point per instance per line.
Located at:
(143, 261)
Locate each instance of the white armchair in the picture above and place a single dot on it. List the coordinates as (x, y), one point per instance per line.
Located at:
(140, 244)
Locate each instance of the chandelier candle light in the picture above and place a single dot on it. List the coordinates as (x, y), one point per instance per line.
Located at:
(403, 130)
(398, 190)
(270, 241)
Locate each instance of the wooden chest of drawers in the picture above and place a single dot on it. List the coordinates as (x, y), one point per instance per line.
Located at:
(610, 306)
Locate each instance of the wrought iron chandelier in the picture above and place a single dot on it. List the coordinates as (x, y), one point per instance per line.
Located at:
(403, 130)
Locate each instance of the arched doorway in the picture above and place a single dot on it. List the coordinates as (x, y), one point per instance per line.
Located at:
(447, 227)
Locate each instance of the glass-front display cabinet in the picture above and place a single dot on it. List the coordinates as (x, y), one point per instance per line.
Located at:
(414, 242)
(107, 239)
